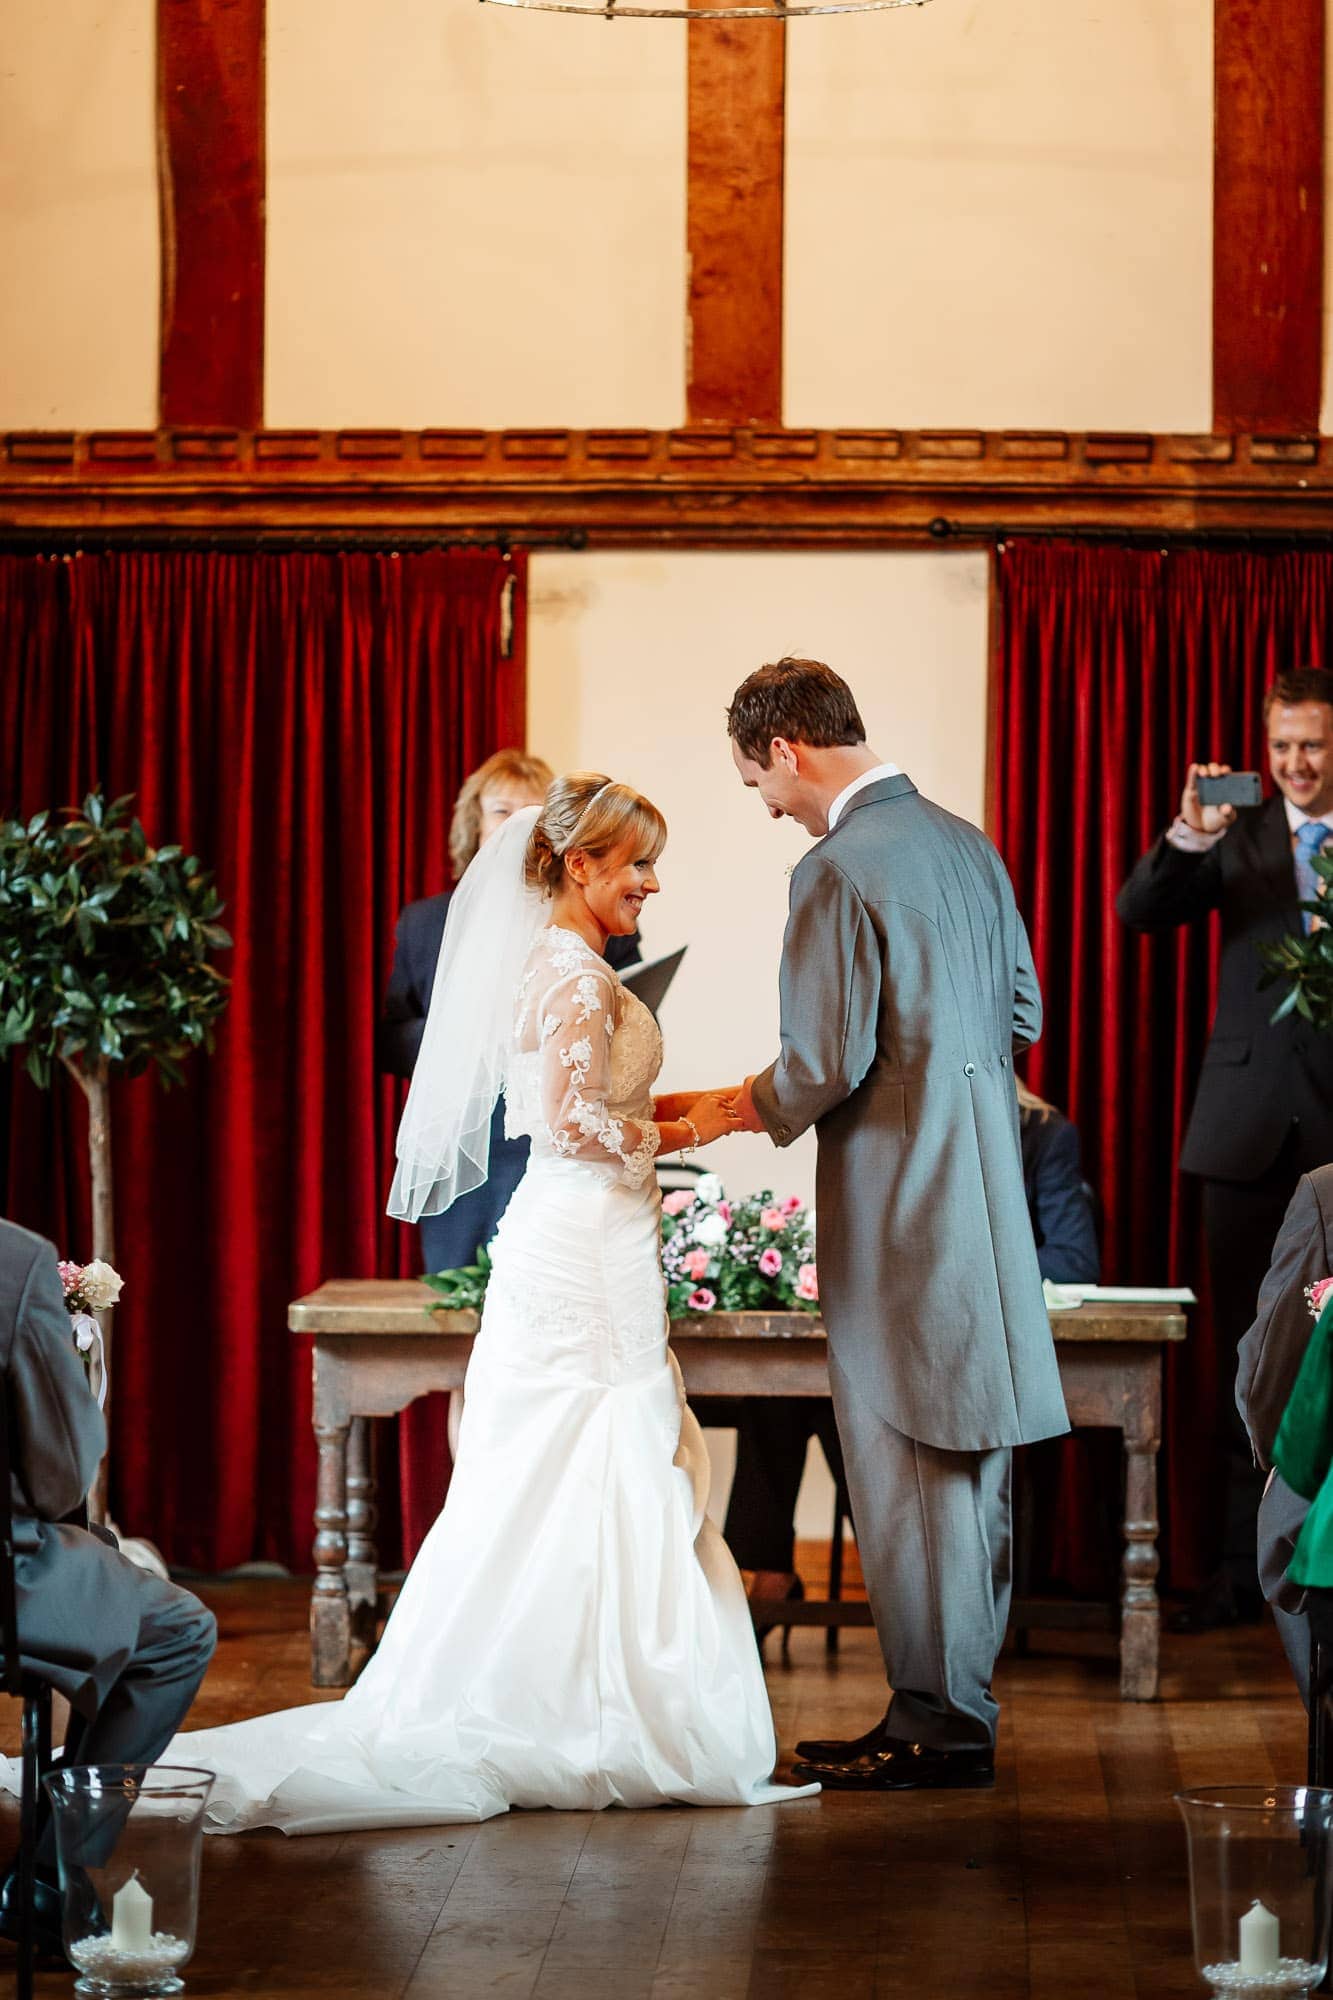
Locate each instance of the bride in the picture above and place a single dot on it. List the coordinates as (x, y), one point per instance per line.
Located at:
(573, 1632)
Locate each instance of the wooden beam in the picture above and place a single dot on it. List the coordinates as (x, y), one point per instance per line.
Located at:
(737, 83)
(1268, 215)
(708, 486)
(210, 107)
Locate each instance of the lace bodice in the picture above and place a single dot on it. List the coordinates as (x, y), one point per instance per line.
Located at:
(585, 1056)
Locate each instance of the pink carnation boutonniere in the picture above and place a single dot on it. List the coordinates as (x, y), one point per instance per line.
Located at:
(1316, 1295)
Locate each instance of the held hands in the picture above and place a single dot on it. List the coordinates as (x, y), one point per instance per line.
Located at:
(675, 1104)
(1204, 819)
(714, 1115)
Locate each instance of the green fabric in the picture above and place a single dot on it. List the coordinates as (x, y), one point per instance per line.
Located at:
(1303, 1454)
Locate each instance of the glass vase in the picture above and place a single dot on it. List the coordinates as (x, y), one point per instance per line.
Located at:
(128, 1838)
(1261, 1868)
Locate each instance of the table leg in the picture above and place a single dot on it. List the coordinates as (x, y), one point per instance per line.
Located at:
(330, 1610)
(362, 1516)
(1140, 1609)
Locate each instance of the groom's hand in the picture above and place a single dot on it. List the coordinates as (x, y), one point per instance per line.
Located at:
(750, 1121)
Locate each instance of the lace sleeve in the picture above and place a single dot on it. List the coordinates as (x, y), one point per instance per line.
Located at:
(577, 1022)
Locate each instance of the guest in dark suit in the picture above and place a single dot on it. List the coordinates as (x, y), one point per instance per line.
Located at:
(504, 784)
(1270, 1358)
(128, 1649)
(1263, 1110)
(772, 1433)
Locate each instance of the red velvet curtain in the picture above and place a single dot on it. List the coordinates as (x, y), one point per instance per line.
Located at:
(1115, 668)
(302, 721)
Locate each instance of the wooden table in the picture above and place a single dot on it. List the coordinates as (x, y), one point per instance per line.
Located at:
(378, 1346)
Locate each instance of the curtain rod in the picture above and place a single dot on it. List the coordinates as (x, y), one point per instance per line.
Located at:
(65, 541)
(943, 530)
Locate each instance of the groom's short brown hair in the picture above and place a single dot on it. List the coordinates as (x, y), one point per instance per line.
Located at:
(801, 700)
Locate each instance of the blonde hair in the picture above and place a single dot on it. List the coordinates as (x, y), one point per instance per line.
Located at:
(1028, 1100)
(505, 767)
(587, 811)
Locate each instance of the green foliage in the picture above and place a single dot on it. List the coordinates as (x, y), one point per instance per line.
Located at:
(104, 945)
(463, 1290)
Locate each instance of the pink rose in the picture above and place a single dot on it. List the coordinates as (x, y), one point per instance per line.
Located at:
(770, 1263)
(792, 1205)
(695, 1264)
(1318, 1294)
(677, 1203)
(724, 1210)
(701, 1301)
(807, 1282)
(773, 1218)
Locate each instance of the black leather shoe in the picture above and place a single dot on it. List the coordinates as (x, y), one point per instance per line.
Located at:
(896, 1766)
(47, 1916)
(830, 1750)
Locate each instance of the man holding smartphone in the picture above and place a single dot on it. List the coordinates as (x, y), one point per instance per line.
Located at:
(1263, 1109)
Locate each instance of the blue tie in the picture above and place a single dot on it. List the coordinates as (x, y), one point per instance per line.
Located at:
(1310, 837)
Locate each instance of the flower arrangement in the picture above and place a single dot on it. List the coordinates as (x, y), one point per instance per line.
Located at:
(744, 1256)
(754, 1255)
(89, 1289)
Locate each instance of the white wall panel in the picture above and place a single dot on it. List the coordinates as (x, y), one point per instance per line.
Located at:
(632, 660)
(78, 215)
(476, 217)
(999, 213)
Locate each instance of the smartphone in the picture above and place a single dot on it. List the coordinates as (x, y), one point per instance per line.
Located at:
(1237, 788)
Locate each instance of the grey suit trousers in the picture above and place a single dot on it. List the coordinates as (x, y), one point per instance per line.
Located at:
(932, 1531)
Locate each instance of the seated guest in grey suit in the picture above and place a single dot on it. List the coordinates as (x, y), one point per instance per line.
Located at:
(504, 784)
(772, 1432)
(127, 1649)
(1269, 1362)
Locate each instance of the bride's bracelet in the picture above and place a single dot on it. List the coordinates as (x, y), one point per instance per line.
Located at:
(695, 1140)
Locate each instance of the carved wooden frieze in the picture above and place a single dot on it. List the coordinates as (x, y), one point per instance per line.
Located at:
(697, 483)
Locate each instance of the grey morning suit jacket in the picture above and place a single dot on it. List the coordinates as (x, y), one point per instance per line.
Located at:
(907, 983)
(77, 1603)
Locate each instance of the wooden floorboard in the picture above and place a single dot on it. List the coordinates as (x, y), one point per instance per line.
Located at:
(1068, 1878)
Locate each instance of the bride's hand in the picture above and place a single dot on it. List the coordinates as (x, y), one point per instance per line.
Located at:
(675, 1104)
(714, 1115)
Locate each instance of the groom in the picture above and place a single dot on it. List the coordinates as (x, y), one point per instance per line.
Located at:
(907, 985)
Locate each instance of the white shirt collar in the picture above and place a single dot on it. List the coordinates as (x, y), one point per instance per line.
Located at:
(1295, 817)
(849, 792)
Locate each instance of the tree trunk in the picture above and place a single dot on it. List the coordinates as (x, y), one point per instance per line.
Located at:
(94, 1085)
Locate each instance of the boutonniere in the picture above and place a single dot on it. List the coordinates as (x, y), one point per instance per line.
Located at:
(1316, 1295)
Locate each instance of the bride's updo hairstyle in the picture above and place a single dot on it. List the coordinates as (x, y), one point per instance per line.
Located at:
(586, 810)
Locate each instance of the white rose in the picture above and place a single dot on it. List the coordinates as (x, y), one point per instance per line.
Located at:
(708, 1187)
(710, 1230)
(100, 1285)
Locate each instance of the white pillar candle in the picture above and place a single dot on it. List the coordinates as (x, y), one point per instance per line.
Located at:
(132, 1916)
(1258, 1941)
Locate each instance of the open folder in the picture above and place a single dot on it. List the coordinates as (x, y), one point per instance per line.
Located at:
(651, 980)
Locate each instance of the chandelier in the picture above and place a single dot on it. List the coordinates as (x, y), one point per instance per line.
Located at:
(612, 10)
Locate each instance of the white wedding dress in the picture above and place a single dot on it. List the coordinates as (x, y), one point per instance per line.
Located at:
(573, 1632)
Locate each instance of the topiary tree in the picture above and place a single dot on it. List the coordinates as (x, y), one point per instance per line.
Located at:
(104, 966)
